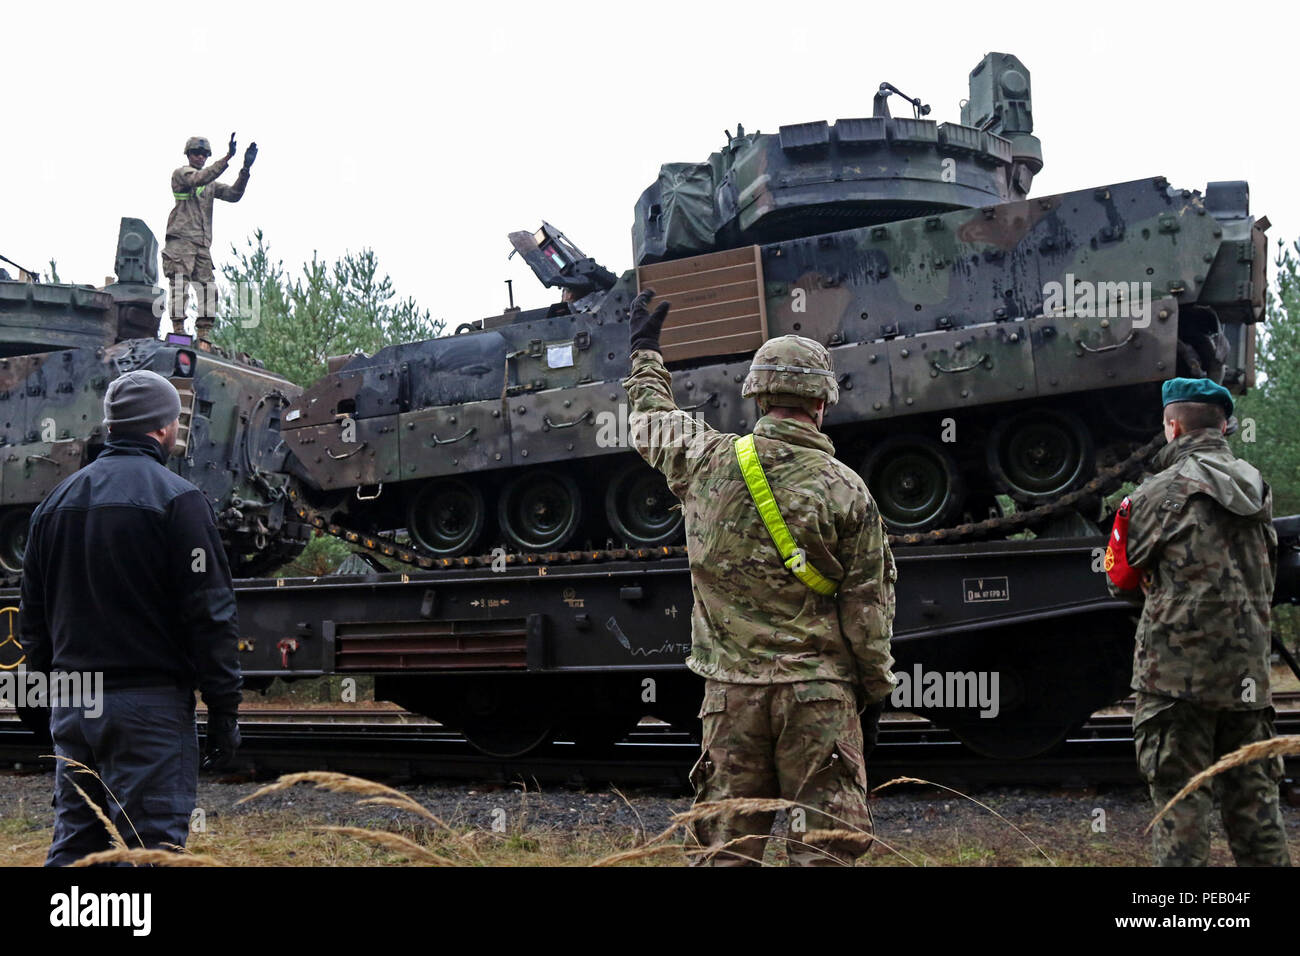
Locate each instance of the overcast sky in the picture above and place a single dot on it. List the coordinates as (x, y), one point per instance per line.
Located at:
(428, 133)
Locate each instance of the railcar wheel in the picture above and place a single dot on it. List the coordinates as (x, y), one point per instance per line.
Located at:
(540, 511)
(1132, 412)
(13, 538)
(1018, 742)
(915, 481)
(446, 517)
(640, 509)
(597, 733)
(504, 718)
(508, 740)
(1038, 455)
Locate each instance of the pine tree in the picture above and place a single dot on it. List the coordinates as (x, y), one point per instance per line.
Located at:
(1269, 436)
(292, 325)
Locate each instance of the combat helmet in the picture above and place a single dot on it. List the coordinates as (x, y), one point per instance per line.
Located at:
(791, 367)
(198, 144)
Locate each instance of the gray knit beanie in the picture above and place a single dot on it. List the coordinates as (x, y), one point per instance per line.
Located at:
(140, 401)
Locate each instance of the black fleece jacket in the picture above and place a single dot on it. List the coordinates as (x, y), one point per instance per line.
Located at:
(125, 573)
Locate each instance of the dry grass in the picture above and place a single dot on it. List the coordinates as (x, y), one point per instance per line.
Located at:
(146, 858)
(1262, 750)
(420, 837)
(375, 794)
(966, 796)
(393, 841)
(458, 849)
(739, 805)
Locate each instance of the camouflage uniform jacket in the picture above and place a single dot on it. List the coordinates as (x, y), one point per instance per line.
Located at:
(1201, 532)
(753, 621)
(194, 192)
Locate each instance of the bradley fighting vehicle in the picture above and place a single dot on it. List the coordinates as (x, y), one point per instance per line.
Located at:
(61, 345)
(986, 343)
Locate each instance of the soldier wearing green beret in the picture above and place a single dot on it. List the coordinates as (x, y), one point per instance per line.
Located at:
(1195, 546)
(793, 614)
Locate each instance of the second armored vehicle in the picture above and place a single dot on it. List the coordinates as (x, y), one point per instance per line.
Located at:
(987, 343)
(61, 345)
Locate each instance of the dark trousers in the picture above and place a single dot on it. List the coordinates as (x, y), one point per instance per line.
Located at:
(144, 747)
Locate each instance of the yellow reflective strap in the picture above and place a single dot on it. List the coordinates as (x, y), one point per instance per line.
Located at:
(181, 197)
(770, 512)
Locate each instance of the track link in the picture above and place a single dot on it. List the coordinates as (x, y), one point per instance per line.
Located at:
(1103, 483)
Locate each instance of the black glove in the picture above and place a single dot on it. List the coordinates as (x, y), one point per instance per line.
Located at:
(645, 325)
(222, 743)
(871, 726)
(231, 152)
(250, 154)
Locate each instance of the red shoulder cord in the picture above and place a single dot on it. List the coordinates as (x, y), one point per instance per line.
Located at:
(1121, 573)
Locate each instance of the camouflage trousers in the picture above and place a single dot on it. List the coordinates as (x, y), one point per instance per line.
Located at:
(798, 741)
(1176, 739)
(186, 262)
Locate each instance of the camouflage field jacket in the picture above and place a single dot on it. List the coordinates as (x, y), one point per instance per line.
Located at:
(1201, 532)
(753, 621)
(194, 192)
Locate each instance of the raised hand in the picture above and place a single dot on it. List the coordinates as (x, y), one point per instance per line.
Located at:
(645, 325)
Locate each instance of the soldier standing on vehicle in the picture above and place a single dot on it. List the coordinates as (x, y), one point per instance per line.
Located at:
(125, 576)
(793, 584)
(187, 253)
(1197, 538)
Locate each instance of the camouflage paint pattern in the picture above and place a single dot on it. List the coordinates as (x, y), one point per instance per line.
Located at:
(753, 621)
(1201, 531)
(1177, 739)
(798, 741)
(954, 323)
(761, 187)
(908, 248)
(51, 405)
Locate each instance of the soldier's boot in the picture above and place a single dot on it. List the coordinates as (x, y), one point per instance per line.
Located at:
(203, 323)
(819, 764)
(203, 332)
(1248, 795)
(176, 301)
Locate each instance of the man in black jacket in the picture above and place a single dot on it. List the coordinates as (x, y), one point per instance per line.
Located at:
(125, 575)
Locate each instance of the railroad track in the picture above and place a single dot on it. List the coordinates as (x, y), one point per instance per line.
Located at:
(377, 743)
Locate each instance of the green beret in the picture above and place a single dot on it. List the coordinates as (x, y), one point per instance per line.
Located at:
(1196, 390)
